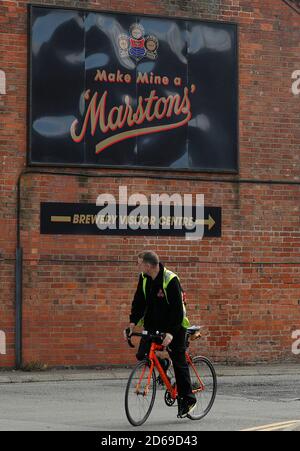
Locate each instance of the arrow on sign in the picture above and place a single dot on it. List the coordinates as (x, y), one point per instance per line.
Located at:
(61, 219)
(210, 222)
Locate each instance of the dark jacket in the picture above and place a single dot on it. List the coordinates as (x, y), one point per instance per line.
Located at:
(158, 313)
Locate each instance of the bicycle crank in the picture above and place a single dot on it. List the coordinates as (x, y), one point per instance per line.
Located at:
(169, 400)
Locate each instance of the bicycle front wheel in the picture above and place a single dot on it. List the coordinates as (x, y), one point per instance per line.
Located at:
(140, 394)
(204, 385)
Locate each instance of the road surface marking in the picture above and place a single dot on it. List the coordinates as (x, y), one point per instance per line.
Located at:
(274, 426)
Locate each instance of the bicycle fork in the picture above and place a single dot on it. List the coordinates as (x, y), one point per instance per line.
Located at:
(138, 387)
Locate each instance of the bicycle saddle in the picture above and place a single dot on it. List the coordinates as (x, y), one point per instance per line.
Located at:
(192, 330)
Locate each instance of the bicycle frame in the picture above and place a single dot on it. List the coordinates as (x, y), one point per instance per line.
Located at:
(190, 362)
(156, 364)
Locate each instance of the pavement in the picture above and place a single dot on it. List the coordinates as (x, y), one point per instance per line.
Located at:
(113, 373)
(250, 398)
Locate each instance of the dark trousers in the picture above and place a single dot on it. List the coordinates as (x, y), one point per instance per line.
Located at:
(176, 352)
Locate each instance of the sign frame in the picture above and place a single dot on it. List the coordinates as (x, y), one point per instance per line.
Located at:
(31, 163)
(67, 218)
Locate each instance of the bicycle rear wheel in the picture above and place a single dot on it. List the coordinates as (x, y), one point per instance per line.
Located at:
(140, 395)
(204, 384)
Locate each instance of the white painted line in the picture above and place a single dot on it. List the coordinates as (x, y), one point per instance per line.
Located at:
(274, 426)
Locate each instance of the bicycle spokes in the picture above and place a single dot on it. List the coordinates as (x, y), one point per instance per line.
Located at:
(139, 387)
(140, 394)
(204, 385)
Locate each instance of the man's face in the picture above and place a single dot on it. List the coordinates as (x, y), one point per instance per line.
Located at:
(144, 267)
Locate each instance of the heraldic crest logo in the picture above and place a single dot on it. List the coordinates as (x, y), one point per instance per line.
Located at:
(137, 45)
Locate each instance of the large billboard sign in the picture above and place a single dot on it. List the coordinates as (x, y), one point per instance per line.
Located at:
(118, 90)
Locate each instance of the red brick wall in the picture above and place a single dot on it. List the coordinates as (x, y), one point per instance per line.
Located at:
(245, 286)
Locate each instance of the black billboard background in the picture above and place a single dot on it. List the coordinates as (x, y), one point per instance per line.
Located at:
(68, 47)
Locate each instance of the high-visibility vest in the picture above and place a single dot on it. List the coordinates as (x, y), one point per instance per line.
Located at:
(167, 277)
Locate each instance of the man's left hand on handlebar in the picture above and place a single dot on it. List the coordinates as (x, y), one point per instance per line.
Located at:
(126, 334)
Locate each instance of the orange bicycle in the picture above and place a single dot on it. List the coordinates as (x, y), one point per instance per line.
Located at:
(142, 383)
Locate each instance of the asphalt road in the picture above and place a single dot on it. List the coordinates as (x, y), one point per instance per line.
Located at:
(98, 405)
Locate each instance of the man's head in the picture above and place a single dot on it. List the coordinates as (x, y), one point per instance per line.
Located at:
(148, 262)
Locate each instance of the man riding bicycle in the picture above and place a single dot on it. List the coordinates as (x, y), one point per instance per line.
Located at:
(158, 305)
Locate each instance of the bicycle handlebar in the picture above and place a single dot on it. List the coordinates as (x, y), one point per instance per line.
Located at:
(145, 334)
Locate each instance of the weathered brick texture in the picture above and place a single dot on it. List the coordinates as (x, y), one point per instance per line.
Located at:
(245, 286)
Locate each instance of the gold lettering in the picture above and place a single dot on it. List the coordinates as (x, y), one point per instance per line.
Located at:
(101, 75)
(127, 78)
(153, 220)
(143, 78)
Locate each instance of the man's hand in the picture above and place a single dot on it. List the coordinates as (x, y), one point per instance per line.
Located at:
(131, 328)
(168, 340)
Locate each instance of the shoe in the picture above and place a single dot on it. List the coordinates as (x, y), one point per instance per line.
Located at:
(185, 407)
